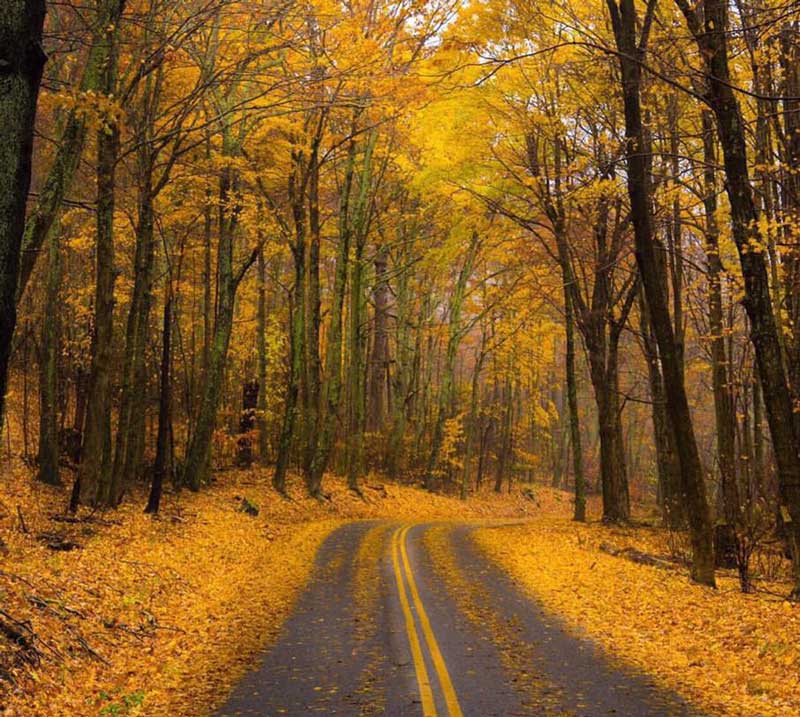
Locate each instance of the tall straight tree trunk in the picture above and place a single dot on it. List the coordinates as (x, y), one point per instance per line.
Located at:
(297, 331)
(313, 360)
(725, 418)
(472, 428)
(402, 378)
(356, 364)
(579, 512)
(379, 360)
(333, 357)
(48, 471)
(667, 465)
(21, 65)
(504, 449)
(130, 428)
(355, 370)
(261, 340)
(162, 463)
(94, 474)
(198, 453)
(623, 15)
(711, 36)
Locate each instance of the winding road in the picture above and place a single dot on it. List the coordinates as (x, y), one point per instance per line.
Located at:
(405, 620)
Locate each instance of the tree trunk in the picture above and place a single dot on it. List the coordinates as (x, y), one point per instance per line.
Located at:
(313, 361)
(381, 297)
(261, 339)
(162, 464)
(579, 513)
(473, 428)
(297, 343)
(667, 465)
(356, 364)
(712, 41)
(94, 475)
(333, 357)
(624, 22)
(198, 452)
(725, 418)
(130, 441)
(48, 471)
(21, 64)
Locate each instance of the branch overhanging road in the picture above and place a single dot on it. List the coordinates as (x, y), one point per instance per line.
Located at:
(405, 620)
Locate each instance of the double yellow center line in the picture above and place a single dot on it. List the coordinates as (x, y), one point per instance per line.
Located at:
(403, 574)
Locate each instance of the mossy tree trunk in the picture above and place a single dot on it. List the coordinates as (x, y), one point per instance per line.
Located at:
(94, 474)
(48, 469)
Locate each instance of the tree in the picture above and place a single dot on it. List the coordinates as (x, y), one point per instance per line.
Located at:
(624, 20)
(22, 61)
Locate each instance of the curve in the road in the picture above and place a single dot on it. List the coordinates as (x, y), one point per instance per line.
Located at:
(414, 620)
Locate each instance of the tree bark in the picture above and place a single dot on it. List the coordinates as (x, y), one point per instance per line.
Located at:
(624, 21)
(48, 471)
(711, 36)
(162, 464)
(94, 475)
(71, 142)
(198, 452)
(22, 62)
(377, 385)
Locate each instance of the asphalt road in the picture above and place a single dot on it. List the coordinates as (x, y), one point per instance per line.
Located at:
(405, 620)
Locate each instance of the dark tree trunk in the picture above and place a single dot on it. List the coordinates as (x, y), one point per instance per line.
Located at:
(94, 474)
(669, 478)
(21, 64)
(624, 22)
(198, 452)
(162, 465)
(711, 35)
(313, 320)
(297, 339)
(579, 513)
(725, 419)
(247, 423)
(71, 142)
(48, 471)
(130, 437)
(263, 438)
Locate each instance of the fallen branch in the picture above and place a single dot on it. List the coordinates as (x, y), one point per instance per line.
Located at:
(22, 526)
(55, 541)
(88, 519)
(637, 556)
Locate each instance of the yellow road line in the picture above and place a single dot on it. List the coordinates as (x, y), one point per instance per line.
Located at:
(426, 694)
(450, 698)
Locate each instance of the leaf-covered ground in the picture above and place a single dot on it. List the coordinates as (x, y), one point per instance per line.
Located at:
(160, 617)
(728, 653)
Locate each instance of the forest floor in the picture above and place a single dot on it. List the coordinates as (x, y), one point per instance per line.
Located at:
(728, 653)
(122, 614)
(163, 616)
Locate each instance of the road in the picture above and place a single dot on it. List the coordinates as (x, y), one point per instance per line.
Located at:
(410, 620)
